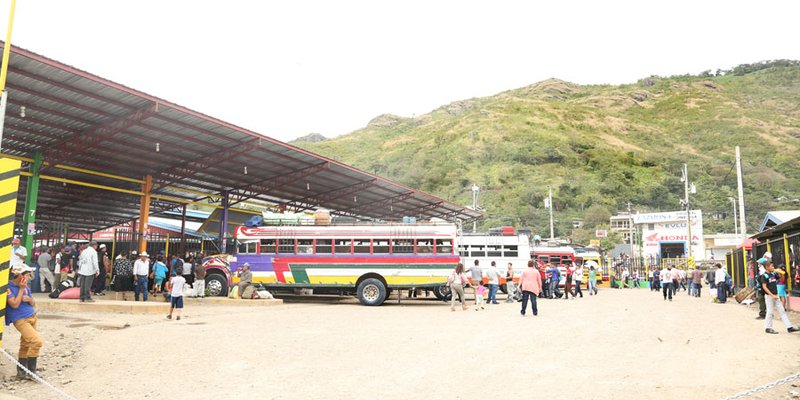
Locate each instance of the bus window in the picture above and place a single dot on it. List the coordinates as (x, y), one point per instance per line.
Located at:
(510, 251)
(380, 246)
(305, 246)
(324, 246)
(444, 246)
(247, 248)
(555, 260)
(494, 250)
(343, 246)
(285, 246)
(463, 252)
(477, 251)
(268, 246)
(361, 246)
(424, 246)
(403, 246)
(543, 259)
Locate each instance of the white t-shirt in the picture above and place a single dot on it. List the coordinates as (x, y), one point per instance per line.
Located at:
(578, 274)
(494, 275)
(719, 276)
(177, 286)
(666, 275)
(15, 259)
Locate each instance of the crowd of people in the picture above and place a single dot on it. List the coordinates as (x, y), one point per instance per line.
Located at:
(87, 266)
(538, 280)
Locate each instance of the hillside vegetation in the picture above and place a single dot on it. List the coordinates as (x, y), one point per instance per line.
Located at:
(599, 147)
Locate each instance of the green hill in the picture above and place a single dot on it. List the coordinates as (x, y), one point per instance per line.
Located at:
(599, 147)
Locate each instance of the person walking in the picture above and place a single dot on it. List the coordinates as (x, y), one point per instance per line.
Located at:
(719, 281)
(141, 269)
(577, 276)
(697, 281)
(456, 281)
(665, 276)
(592, 280)
(87, 270)
(555, 277)
(657, 280)
(477, 278)
(568, 282)
(494, 283)
(769, 284)
(530, 282)
(511, 286)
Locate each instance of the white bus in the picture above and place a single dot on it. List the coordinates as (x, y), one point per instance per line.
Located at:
(502, 249)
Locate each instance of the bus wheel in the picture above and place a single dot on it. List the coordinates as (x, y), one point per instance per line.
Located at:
(371, 292)
(441, 292)
(217, 285)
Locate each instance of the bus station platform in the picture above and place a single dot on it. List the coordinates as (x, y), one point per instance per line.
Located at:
(153, 305)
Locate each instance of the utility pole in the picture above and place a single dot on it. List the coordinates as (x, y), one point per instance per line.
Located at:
(630, 231)
(550, 205)
(742, 223)
(475, 190)
(735, 216)
(688, 209)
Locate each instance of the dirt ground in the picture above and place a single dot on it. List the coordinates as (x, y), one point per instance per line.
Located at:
(622, 344)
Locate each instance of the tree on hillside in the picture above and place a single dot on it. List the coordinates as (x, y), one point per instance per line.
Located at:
(596, 215)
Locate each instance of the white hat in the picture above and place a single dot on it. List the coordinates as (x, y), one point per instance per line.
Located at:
(103, 246)
(144, 253)
(20, 269)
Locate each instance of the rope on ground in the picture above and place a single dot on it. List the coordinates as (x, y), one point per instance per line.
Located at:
(748, 393)
(37, 377)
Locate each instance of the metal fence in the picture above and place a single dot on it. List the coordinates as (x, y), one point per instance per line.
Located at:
(785, 251)
(126, 240)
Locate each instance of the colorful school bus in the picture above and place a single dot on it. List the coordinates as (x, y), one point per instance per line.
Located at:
(366, 260)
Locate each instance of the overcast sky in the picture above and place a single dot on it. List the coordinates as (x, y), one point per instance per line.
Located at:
(288, 68)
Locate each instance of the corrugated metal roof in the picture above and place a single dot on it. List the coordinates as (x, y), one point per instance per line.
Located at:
(78, 119)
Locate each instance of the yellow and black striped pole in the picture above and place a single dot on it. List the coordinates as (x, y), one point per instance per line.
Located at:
(9, 185)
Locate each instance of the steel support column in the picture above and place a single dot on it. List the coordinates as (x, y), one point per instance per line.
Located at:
(31, 200)
(183, 231)
(223, 225)
(144, 212)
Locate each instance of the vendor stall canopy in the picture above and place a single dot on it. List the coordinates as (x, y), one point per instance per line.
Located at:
(99, 139)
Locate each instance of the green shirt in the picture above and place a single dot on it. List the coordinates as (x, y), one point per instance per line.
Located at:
(592, 275)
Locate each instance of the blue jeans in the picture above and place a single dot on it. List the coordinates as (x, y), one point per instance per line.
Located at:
(492, 293)
(525, 296)
(141, 286)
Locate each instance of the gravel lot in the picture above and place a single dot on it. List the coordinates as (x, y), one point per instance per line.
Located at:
(622, 344)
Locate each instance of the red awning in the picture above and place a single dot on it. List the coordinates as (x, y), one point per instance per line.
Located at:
(748, 243)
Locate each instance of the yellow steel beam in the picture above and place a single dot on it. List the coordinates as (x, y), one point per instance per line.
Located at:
(7, 48)
(87, 184)
(76, 169)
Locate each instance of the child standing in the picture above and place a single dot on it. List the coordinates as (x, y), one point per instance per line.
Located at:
(175, 286)
(782, 285)
(479, 292)
(159, 274)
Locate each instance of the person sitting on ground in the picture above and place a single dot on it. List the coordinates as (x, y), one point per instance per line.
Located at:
(245, 278)
(21, 313)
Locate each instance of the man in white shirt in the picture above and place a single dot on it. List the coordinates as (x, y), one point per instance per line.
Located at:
(87, 271)
(719, 281)
(494, 283)
(577, 277)
(666, 275)
(18, 253)
(141, 268)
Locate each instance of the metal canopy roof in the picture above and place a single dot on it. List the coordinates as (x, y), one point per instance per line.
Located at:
(81, 120)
